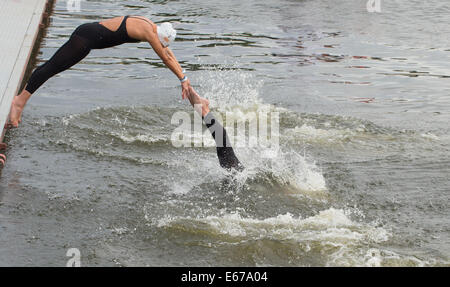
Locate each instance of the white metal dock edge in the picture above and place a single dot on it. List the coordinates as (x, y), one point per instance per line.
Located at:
(19, 27)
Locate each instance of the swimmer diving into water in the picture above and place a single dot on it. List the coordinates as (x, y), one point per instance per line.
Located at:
(101, 35)
(114, 32)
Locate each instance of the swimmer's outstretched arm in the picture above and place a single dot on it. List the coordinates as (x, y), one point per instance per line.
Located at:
(168, 58)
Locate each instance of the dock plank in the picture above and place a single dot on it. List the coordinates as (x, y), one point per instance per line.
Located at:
(19, 22)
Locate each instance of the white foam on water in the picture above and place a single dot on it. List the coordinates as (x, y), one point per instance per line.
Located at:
(180, 189)
(120, 230)
(331, 233)
(143, 138)
(66, 120)
(312, 134)
(287, 168)
(430, 136)
(375, 257)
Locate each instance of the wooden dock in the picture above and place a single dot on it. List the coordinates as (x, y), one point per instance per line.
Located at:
(20, 23)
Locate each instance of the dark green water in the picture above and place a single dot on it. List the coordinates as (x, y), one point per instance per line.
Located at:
(362, 176)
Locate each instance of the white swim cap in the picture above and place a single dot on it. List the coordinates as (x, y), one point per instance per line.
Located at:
(166, 33)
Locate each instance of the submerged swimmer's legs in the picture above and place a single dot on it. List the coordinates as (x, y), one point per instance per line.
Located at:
(72, 52)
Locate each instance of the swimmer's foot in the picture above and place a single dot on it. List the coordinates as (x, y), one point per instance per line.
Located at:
(15, 114)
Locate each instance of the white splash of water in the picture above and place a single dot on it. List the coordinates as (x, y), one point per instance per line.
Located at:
(331, 232)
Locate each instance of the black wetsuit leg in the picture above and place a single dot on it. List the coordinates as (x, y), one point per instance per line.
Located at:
(86, 37)
(68, 55)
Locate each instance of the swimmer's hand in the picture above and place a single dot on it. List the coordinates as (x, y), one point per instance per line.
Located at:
(185, 89)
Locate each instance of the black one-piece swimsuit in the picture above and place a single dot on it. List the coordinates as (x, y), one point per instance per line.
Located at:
(85, 38)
